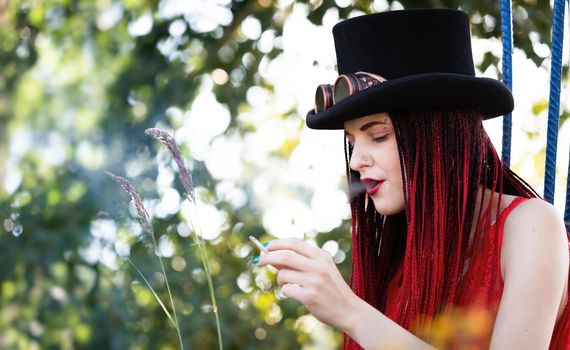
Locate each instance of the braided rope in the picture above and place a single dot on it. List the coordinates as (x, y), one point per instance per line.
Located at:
(507, 40)
(567, 209)
(554, 100)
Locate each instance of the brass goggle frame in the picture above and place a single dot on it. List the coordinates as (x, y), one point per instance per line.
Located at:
(345, 85)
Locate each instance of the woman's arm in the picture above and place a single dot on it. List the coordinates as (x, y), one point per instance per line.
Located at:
(309, 275)
(373, 330)
(534, 265)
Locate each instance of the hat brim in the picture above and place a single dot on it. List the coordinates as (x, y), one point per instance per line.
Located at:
(419, 92)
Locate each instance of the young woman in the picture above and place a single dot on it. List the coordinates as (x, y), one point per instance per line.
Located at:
(442, 229)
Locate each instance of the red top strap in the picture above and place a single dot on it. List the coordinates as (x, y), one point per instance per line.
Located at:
(500, 225)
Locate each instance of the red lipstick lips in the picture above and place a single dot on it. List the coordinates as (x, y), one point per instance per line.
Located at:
(372, 186)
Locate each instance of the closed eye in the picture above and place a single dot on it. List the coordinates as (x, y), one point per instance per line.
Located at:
(380, 139)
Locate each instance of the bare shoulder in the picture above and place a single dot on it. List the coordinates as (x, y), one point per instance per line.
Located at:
(534, 231)
(535, 262)
(535, 215)
(534, 266)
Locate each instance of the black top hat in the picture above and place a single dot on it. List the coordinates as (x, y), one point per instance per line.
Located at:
(425, 55)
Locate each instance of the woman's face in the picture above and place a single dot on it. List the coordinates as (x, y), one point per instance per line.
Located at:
(375, 157)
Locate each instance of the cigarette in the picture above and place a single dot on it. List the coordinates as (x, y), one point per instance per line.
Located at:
(258, 244)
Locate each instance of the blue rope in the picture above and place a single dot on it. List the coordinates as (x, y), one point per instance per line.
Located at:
(567, 209)
(554, 100)
(507, 40)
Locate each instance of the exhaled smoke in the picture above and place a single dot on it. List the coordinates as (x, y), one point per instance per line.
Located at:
(357, 188)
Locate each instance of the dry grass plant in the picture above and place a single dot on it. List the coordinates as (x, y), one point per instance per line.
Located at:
(185, 177)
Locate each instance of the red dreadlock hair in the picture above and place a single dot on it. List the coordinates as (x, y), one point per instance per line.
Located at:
(445, 156)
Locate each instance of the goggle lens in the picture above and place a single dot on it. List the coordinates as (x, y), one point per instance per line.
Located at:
(345, 85)
(323, 97)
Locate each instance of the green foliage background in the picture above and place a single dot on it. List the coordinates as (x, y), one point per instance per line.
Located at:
(104, 87)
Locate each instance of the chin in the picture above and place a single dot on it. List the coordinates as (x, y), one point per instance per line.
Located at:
(388, 209)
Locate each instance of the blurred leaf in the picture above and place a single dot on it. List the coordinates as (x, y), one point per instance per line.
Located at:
(539, 106)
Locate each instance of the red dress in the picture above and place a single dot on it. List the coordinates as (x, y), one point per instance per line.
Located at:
(470, 322)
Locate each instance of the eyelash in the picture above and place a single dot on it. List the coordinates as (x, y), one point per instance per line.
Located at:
(376, 139)
(380, 139)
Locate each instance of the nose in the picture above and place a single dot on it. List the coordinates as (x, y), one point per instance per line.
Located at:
(359, 158)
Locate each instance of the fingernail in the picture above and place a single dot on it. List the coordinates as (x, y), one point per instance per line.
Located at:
(265, 244)
(255, 260)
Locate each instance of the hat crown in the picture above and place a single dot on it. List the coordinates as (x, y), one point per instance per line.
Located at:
(401, 43)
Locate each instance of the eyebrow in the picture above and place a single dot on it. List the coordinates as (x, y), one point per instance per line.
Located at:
(369, 125)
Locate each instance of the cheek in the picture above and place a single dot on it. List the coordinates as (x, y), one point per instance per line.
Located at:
(393, 160)
(398, 183)
(391, 201)
(395, 173)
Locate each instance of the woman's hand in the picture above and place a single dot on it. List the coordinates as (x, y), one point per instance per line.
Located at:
(309, 275)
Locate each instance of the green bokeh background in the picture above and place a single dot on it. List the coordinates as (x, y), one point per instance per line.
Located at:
(92, 89)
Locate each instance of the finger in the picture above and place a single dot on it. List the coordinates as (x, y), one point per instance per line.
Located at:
(285, 259)
(286, 276)
(298, 246)
(294, 291)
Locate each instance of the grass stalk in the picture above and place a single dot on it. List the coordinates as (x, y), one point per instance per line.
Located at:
(185, 177)
(147, 226)
(153, 292)
(171, 299)
(199, 239)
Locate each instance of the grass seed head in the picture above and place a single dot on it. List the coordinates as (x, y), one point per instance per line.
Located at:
(184, 173)
(136, 200)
